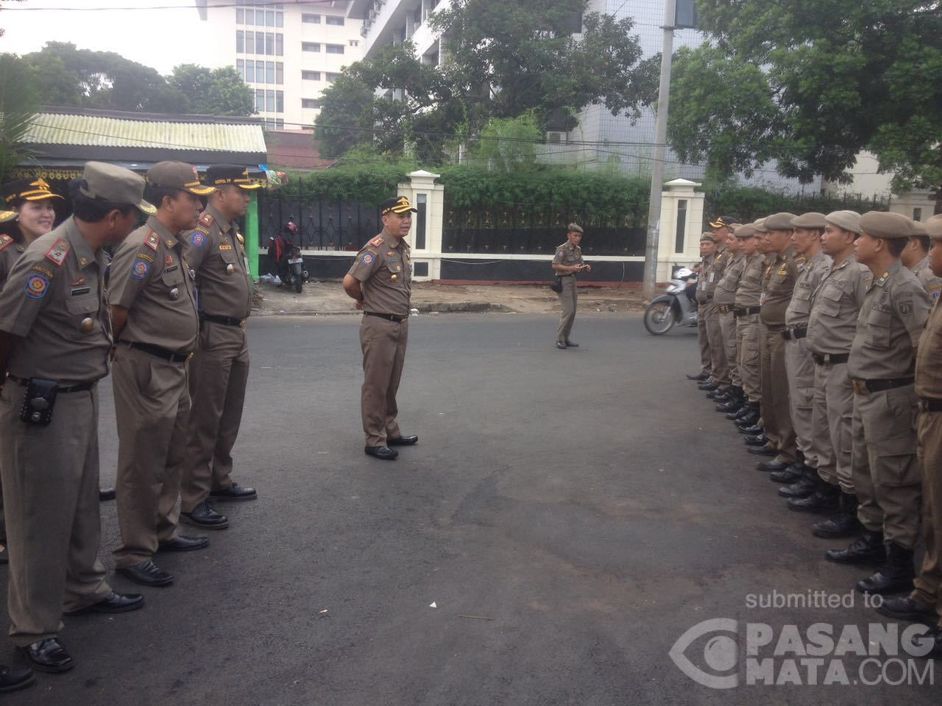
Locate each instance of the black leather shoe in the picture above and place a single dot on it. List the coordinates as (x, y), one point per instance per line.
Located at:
(106, 494)
(763, 451)
(908, 608)
(746, 428)
(757, 440)
(708, 386)
(802, 488)
(895, 576)
(824, 500)
(383, 453)
(147, 573)
(204, 515)
(403, 441)
(868, 548)
(233, 494)
(48, 655)
(115, 603)
(717, 396)
(571, 344)
(15, 678)
(559, 344)
(183, 544)
(773, 465)
(843, 524)
(698, 377)
(731, 407)
(786, 476)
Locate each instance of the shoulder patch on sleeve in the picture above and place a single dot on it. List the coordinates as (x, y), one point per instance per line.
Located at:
(198, 238)
(58, 252)
(377, 241)
(152, 240)
(5, 242)
(367, 258)
(37, 284)
(206, 220)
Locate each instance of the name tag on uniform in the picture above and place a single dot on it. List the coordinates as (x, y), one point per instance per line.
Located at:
(711, 277)
(80, 290)
(225, 246)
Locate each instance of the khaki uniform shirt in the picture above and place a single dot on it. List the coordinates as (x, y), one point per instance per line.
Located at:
(928, 280)
(835, 307)
(715, 271)
(928, 370)
(750, 283)
(151, 279)
(216, 251)
(778, 285)
(704, 289)
(725, 292)
(568, 254)
(892, 318)
(53, 300)
(10, 252)
(810, 274)
(384, 270)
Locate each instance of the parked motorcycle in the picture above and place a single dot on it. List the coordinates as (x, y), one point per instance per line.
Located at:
(677, 306)
(297, 275)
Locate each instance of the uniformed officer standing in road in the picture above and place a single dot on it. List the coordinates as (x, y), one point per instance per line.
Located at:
(724, 299)
(707, 251)
(380, 281)
(886, 474)
(566, 264)
(153, 310)
(779, 283)
(915, 256)
(219, 371)
(748, 295)
(719, 365)
(812, 266)
(832, 325)
(925, 602)
(54, 344)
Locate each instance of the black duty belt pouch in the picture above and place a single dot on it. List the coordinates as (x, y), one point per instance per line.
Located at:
(39, 401)
(557, 285)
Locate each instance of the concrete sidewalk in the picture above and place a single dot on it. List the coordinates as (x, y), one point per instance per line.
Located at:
(324, 298)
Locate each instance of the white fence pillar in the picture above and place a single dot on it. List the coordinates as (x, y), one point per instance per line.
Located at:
(426, 234)
(681, 220)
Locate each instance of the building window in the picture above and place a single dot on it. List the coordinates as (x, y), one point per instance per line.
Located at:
(279, 101)
(240, 68)
(335, 20)
(310, 75)
(250, 71)
(679, 238)
(240, 16)
(259, 100)
(310, 46)
(311, 19)
(240, 42)
(354, 42)
(331, 76)
(312, 103)
(279, 44)
(334, 48)
(279, 73)
(259, 43)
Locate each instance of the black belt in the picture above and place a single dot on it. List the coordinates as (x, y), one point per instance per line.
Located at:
(927, 404)
(79, 387)
(863, 387)
(224, 320)
(725, 308)
(389, 317)
(159, 352)
(747, 310)
(775, 328)
(794, 333)
(830, 358)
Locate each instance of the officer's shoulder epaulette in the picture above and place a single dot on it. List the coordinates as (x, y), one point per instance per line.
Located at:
(5, 242)
(377, 241)
(152, 240)
(206, 220)
(58, 252)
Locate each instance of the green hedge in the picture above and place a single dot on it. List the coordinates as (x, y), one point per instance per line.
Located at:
(749, 203)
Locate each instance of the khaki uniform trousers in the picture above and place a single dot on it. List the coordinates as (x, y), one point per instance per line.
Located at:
(219, 372)
(730, 340)
(383, 343)
(706, 365)
(50, 481)
(567, 299)
(886, 472)
(718, 363)
(747, 333)
(833, 423)
(776, 411)
(152, 407)
(928, 584)
(799, 367)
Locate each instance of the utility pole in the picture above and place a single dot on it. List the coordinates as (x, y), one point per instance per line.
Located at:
(660, 151)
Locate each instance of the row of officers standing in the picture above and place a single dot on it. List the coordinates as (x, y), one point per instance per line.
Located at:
(168, 312)
(821, 336)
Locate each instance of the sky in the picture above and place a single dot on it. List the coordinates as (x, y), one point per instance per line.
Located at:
(161, 38)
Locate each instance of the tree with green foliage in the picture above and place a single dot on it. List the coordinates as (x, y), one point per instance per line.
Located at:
(508, 144)
(212, 91)
(811, 85)
(502, 60)
(17, 108)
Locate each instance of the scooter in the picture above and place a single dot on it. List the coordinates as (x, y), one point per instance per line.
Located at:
(296, 272)
(677, 306)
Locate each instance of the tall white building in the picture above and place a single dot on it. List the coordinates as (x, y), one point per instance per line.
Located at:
(287, 52)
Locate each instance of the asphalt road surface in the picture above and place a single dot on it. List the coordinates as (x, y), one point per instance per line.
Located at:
(566, 517)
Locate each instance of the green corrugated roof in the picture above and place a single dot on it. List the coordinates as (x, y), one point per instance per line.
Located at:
(102, 131)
